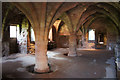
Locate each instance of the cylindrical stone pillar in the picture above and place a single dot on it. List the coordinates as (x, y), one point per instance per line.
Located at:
(41, 64)
(72, 45)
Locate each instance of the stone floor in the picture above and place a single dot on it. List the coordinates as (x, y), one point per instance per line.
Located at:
(89, 63)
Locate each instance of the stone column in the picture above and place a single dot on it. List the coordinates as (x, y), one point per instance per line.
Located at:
(79, 42)
(41, 18)
(57, 39)
(83, 41)
(23, 41)
(117, 49)
(28, 39)
(72, 45)
(96, 39)
(41, 64)
(117, 54)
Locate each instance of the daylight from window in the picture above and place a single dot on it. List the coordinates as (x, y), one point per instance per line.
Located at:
(32, 35)
(91, 34)
(13, 32)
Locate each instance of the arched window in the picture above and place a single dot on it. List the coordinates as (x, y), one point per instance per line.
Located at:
(91, 34)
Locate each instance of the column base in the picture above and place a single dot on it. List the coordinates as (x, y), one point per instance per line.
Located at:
(41, 71)
(72, 55)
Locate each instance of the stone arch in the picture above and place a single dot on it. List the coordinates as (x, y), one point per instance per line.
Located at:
(88, 23)
(99, 9)
(102, 10)
(90, 20)
(96, 16)
(41, 20)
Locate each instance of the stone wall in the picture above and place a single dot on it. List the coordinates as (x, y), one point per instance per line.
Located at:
(63, 41)
(15, 45)
(5, 41)
(5, 48)
(22, 38)
(111, 41)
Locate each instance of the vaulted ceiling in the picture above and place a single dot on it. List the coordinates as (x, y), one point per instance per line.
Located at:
(74, 14)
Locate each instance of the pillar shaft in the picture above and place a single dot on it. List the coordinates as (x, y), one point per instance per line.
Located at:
(28, 38)
(84, 41)
(42, 16)
(41, 64)
(117, 54)
(72, 45)
(118, 49)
